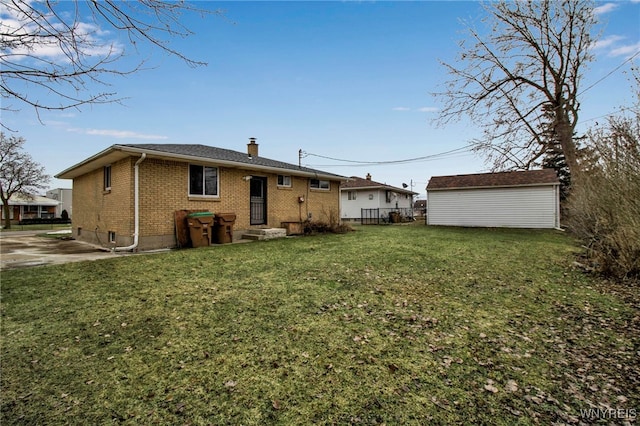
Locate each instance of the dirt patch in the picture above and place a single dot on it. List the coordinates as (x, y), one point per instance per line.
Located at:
(22, 251)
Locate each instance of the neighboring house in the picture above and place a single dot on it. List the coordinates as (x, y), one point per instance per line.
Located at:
(362, 196)
(524, 199)
(420, 208)
(30, 207)
(64, 195)
(167, 178)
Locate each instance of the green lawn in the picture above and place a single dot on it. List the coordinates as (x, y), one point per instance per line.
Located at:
(394, 325)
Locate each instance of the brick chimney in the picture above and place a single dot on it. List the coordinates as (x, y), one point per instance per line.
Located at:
(368, 176)
(252, 148)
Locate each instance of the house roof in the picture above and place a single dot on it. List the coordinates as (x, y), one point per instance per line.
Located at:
(492, 180)
(356, 182)
(192, 153)
(32, 200)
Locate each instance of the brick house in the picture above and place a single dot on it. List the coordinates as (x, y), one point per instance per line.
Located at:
(171, 177)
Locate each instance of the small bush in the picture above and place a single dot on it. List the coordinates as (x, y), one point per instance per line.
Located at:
(604, 205)
(313, 228)
(42, 221)
(333, 225)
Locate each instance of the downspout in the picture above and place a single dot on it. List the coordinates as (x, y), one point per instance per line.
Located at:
(136, 206)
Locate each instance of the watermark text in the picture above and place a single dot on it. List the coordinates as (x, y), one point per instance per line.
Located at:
(608, 413)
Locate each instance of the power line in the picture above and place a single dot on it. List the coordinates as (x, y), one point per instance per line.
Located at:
(383, 164)
(620, 110)
(440, 155)
(610, 72)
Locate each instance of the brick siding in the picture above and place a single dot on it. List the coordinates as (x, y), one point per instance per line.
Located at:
(164, 189)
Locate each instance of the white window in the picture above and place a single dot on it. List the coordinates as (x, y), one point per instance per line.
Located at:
(284, 180)
(351, 195)
(319, 184)
(203, 180)
(112, 237)
(107, 178)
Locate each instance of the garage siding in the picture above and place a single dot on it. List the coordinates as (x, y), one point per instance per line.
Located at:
(530, 207)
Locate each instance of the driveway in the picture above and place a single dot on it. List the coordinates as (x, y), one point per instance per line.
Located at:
(25, 249)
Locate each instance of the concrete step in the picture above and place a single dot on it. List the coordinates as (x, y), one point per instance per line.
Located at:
(264, 234)
(252, 237)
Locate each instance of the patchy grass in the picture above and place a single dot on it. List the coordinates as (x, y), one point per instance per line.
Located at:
(395, 325)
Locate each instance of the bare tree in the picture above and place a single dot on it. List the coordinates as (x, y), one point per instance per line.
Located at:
(519, 81)
(62, 47)
(19, 174)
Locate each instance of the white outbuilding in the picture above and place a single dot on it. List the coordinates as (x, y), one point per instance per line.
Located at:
(521, 199)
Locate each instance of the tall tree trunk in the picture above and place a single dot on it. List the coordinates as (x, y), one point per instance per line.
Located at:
(564, 133)
(7, 216)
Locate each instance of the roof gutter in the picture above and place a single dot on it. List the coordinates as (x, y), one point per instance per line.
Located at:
(136, 206)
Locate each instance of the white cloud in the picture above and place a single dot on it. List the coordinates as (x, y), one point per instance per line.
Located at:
(628, 50)
(614, 46)
(118, 134)
(606, 42)
(55, 123)
(605, 8)
(34, 32)
(421, 109)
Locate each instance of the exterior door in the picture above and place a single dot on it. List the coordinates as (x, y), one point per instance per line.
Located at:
(258, 194)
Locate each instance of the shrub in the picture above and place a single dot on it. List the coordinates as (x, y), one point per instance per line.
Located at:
(604, 205)
(333, 225)
(42, 221)
(318, 227)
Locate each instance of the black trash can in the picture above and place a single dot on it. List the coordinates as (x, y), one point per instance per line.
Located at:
(223, 228)
(200, 224)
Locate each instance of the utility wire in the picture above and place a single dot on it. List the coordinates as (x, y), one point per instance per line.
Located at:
(454, 152)
(408, 160)
(610, 72)
(385, 164)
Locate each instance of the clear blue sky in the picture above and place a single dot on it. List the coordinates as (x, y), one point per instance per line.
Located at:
(348, 80)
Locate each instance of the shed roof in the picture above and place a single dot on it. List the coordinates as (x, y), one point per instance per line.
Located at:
(356, 182)
(191, 152)
(492, 180)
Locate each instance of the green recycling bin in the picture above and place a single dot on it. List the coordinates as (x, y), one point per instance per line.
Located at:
(200, 225)
(223, 228)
